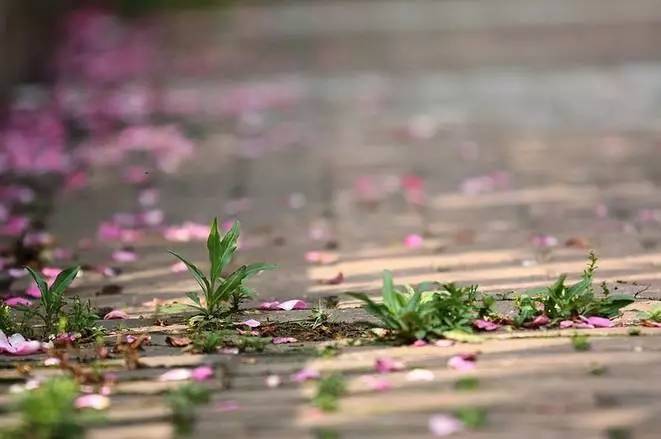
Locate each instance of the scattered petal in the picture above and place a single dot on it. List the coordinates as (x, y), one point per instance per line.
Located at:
(176, 375)
(284, 340)
(461, 363)
(293, 304)
(413, 241)
(566, 324)
(51, 361)
(178, 267)
(388, 364)
(539, 321)
(444, 343)
(444, 425)
(18, 301)
(305, 374)
(599, 322)
(322, 258)
(269, 306)
(124, 255)
(420, 375)
(116, 315)
(419, 343)
(18, 345)
(252, 323)
(94, 401)
(485, 325)
(377, 383)
(544, 241)
(202, 373)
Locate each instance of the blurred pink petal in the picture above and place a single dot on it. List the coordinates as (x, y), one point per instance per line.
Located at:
(269, 306)
(18, 345)
(461, 363)
(252, 323)
(284, 340)
(17, 273)
(377, 383)
(202, 373)
(419, 343)
(444, 425)
(566, 324)
(598, 322)
(420, 375)
(305, 374)
(293, 304)
(388, 364)
(178, 374)
(317, 257)
(51, 271)
(539, 321)
(178, 267)
(18, 301)
(443, 343)
(124, 256)
(413, 240)
(544, 241)
(485, 325)
(116, 315)
(94, 401)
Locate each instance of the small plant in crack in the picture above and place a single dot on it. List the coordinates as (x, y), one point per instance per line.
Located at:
(51, 302)
(561, 301)
(428, 310)
(208, 342)
(183, 401)
(220, 293)
(81, 318)
(329, 391)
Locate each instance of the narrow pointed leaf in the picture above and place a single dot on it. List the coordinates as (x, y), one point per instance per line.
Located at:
(215, 252)
(197, 274)
(253, 269)
(63, 280)
(41, 283)
(389, 292)
(232, 283)
(228, 245)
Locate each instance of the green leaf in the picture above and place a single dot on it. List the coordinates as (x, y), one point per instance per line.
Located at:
(215, 252)
(389, 292)
(197, 274)
(414, 302)
(41, 283)
(253, 269)
(232, 283)
(228, 245)
(63, 280)
(194, 297)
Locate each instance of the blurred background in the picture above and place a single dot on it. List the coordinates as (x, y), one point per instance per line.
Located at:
(478, 123)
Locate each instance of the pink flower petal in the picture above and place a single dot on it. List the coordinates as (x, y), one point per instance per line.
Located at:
(566, 324)
(178, 267)
(124, 256)
(18, 301)
(599, 322)
(387, 365)
(116, 315)
(293, 304)
(420, 375)
(461, 363)
(178, 374)
(94, 401)
(444, 425)
(377, 383)
(18, 345)
(284, 340)
(444, 343)
(413, 241)
(33, 291)
(335, 280)
(202, 373)
(419, 343)
(17, 273)
(305, 374)
(485, 325)
(252, 323)
(269, 306)
(539, 321)
(51, 271)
